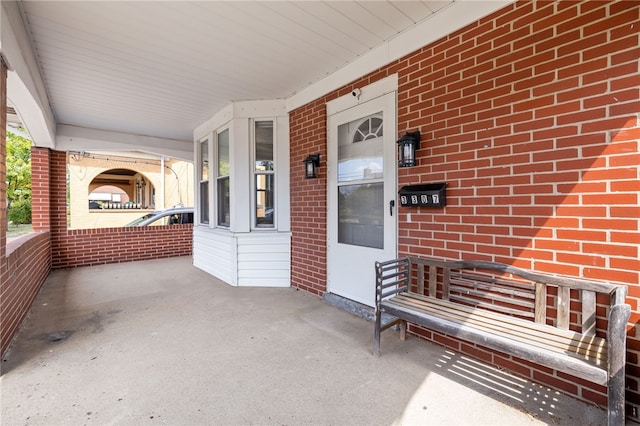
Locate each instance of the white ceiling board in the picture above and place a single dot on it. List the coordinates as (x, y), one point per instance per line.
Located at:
(393, 15)
(437, 5)
(162, 68)
(334, 24)
(457, 15)
(416, 10)
(366, 18)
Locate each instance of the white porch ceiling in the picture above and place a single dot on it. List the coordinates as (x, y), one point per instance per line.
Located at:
(144, 74)
(162, 68)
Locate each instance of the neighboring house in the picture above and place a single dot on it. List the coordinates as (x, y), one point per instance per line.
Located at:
(110, 189)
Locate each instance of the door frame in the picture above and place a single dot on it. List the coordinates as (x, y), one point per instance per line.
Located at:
(384, 88)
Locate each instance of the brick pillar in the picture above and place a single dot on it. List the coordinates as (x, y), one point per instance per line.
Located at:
(58, 198)
(40, 188)
(3, 167)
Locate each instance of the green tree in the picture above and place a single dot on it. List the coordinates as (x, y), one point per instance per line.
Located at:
(18, 178)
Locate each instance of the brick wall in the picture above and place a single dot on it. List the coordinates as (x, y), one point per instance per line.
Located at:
(3, 167)
(40, 188)
(28, 264)
(24, 262)
(84, 247)
(531, 116)
(308, 199)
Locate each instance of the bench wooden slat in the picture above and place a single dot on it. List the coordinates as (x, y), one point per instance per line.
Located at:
(563, 307)
(492, 279)
(546, 337)
(540, 311)
(526, 351)
(433, 280)
(463, 291)
(497, 287)
(479, 304)
(589, 313)
(445, 283)
(421, 279)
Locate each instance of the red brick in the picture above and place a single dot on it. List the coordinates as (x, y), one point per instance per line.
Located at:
(630, 55)
(29, 264)
(610, 73)
(608, 274)
(626, 134)
(617, 44)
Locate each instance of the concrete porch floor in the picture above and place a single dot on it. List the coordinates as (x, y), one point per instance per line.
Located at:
(161, 342)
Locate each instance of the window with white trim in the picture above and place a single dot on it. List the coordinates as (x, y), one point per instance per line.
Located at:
(264, 175)
(222, 180)
(203, 177)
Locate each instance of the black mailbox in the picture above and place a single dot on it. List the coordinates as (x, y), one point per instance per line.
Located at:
(424, 195)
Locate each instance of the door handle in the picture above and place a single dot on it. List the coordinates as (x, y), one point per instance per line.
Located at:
(392, 203)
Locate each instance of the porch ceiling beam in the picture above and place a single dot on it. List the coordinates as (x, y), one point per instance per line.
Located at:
(25, 89)
(74, 138)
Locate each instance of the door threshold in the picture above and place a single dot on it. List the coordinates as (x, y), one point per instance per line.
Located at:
(356, 308)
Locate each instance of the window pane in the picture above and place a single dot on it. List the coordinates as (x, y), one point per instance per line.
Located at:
(204, 160)
(223, 153)
(265, 207)
(204, 202)
(224, 214)
(361, 215)
(264, 145)
(360, 149)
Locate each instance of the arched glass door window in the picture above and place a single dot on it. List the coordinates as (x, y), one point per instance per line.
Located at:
(359, 153)
(369, 128)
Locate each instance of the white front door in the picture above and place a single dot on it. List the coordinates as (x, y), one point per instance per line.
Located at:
(361, 196)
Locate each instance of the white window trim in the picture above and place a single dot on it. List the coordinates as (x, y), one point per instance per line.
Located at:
(254, 173)
(238, 118)
(198, 172)
(214, 177)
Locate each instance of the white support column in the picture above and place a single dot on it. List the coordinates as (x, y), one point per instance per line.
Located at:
(160, 194)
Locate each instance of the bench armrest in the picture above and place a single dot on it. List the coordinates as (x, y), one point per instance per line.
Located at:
(392, 277)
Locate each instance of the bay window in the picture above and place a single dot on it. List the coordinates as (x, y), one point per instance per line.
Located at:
(245, 195)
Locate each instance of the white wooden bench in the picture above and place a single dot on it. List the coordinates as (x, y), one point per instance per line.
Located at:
(571, 325)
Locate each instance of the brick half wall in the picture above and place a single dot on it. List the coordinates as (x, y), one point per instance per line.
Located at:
(86, 247)
(28, 263)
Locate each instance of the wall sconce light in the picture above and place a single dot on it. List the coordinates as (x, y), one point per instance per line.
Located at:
(311, 164)
(407, 146)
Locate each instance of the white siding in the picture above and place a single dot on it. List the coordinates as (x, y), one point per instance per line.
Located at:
(264, 259)
(214, 251)
(247, 259)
